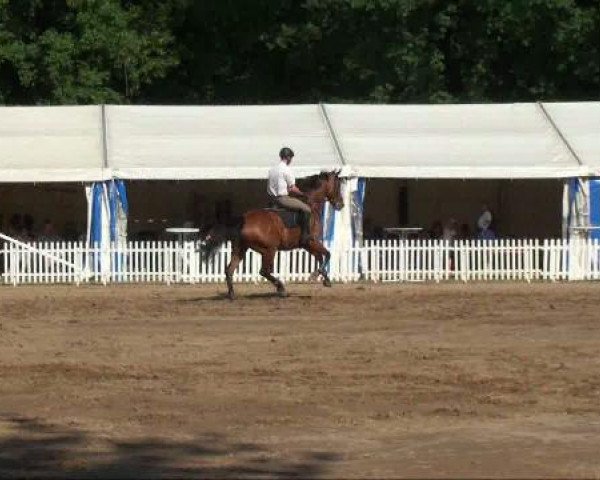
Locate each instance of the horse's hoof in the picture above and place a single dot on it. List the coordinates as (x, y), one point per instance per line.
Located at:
(231, 296)
(327, 282)
(282, 294)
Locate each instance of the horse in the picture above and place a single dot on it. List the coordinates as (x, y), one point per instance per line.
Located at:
(264, 231)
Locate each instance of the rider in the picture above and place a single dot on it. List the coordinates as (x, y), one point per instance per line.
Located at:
(281, 184)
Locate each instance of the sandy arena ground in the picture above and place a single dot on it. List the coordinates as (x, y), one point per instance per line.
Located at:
(394, 381)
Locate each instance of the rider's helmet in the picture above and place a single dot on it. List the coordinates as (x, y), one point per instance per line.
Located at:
(286, 152)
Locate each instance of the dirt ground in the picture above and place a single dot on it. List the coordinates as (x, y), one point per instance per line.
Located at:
(369, 381)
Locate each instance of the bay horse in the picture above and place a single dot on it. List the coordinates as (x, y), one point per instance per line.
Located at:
(264, 231)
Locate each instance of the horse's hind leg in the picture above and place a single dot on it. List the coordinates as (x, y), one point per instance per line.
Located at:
(237, 256)
(268, 261)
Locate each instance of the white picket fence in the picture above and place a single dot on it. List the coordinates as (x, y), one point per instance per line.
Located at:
(377, 261)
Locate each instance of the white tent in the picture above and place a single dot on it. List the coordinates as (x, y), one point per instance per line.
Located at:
(215, 142)
(51, 144)
(44, 144)
(453, 141)
(491, 141)
(579, 124)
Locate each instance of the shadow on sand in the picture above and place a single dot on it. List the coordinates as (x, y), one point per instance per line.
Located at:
(31, 448)
(242, 297)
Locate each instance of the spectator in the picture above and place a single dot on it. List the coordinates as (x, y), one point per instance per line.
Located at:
(450, 231)
(17, 228)
(48, 233)
(15, 225)
(485, 218)
(487, 234)
(484, 224)
(450, 235)
(27, 230)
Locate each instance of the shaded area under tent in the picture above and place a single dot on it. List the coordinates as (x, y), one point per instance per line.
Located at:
(523, 208)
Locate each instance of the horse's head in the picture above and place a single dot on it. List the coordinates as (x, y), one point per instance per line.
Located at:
(333, 189)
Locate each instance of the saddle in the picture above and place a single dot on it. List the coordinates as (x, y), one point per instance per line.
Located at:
(289, 218)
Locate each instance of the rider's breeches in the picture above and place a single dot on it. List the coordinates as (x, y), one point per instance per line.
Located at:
(292, 203)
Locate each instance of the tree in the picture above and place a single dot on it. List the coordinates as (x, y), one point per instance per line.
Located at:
(291, 51)
(434, 51)
(523, 51)
(79, 51)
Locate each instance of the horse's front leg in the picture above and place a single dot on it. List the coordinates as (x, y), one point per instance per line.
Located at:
(323, 257)
(314, 276)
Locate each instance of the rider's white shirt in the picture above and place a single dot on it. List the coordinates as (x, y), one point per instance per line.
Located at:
(280, 179)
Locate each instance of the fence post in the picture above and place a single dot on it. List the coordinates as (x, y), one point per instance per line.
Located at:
(13, 267)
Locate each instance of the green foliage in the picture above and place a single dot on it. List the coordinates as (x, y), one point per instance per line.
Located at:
(291, 51)
(79, 51)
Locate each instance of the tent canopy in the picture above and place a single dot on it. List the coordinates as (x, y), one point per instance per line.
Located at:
(46, 144)
(550, 140)
(452, 141)
(579, 123)
(215, 142)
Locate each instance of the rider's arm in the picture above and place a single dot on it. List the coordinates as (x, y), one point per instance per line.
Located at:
(291, 184)
(295, 190)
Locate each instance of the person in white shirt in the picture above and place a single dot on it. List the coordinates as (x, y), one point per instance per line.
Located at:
(281, 184)
(485, 219)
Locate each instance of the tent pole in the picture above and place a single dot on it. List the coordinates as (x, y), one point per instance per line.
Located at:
(559, 133)
(332, 134)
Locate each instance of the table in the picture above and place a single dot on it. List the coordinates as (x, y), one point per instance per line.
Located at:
(181, 232)
(402, 232)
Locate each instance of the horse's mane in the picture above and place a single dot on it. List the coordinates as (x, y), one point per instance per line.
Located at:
(313, 182)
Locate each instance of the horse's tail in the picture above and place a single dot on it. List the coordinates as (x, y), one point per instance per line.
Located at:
(216, 236)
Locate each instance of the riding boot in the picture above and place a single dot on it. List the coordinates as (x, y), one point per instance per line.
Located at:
(305, 228)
